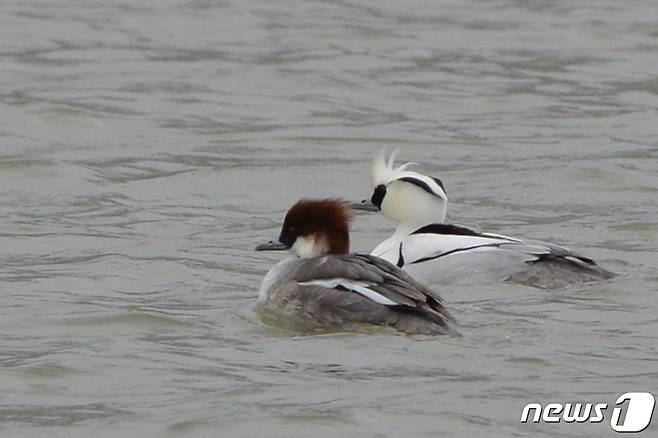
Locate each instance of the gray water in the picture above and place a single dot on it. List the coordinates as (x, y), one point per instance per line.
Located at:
(146, 147)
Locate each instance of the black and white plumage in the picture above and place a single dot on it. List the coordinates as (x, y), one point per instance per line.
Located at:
(326, 285)
(405, 196)
(432, 251)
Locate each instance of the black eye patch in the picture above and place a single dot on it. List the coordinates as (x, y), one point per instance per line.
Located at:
(378, 195)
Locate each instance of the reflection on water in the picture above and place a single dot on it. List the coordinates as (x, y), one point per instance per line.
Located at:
(145, 149)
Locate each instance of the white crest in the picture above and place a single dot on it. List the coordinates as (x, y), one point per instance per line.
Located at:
(385, 172)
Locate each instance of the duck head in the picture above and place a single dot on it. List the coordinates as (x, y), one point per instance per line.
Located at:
(314, 227)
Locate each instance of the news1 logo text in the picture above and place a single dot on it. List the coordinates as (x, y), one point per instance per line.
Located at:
(632, 412)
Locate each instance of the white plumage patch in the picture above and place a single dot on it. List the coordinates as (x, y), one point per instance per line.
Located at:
(308, 247)
(359, 287)
(385, 172)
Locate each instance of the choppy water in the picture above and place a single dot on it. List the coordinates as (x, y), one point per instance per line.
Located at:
(146, 147)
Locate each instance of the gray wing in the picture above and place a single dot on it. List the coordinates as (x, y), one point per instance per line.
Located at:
(335, 307)
(375, 280)
(555, 266)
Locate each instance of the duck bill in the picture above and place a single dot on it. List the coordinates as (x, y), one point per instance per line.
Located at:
(272, 245)
(363, 205)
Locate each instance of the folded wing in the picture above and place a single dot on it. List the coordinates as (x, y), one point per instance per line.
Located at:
(375, 280)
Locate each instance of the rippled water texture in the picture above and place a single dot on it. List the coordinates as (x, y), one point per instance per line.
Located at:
(146, 147)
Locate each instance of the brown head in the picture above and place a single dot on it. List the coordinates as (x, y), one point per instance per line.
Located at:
(315, 227)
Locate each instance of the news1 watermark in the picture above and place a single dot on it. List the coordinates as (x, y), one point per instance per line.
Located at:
(632, 412)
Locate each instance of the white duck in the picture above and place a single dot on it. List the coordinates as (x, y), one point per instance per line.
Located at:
(432, 251)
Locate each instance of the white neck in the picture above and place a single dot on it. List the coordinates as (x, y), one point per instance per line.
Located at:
(404, 230)
(388, 249)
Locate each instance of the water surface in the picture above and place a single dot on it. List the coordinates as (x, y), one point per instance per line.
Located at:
(145, 148)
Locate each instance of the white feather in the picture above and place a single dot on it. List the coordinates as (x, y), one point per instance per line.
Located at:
(383, 170)
(418, 246)
(359, 287)
(458, 258)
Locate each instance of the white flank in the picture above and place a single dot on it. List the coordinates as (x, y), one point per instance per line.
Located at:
(500, 236)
